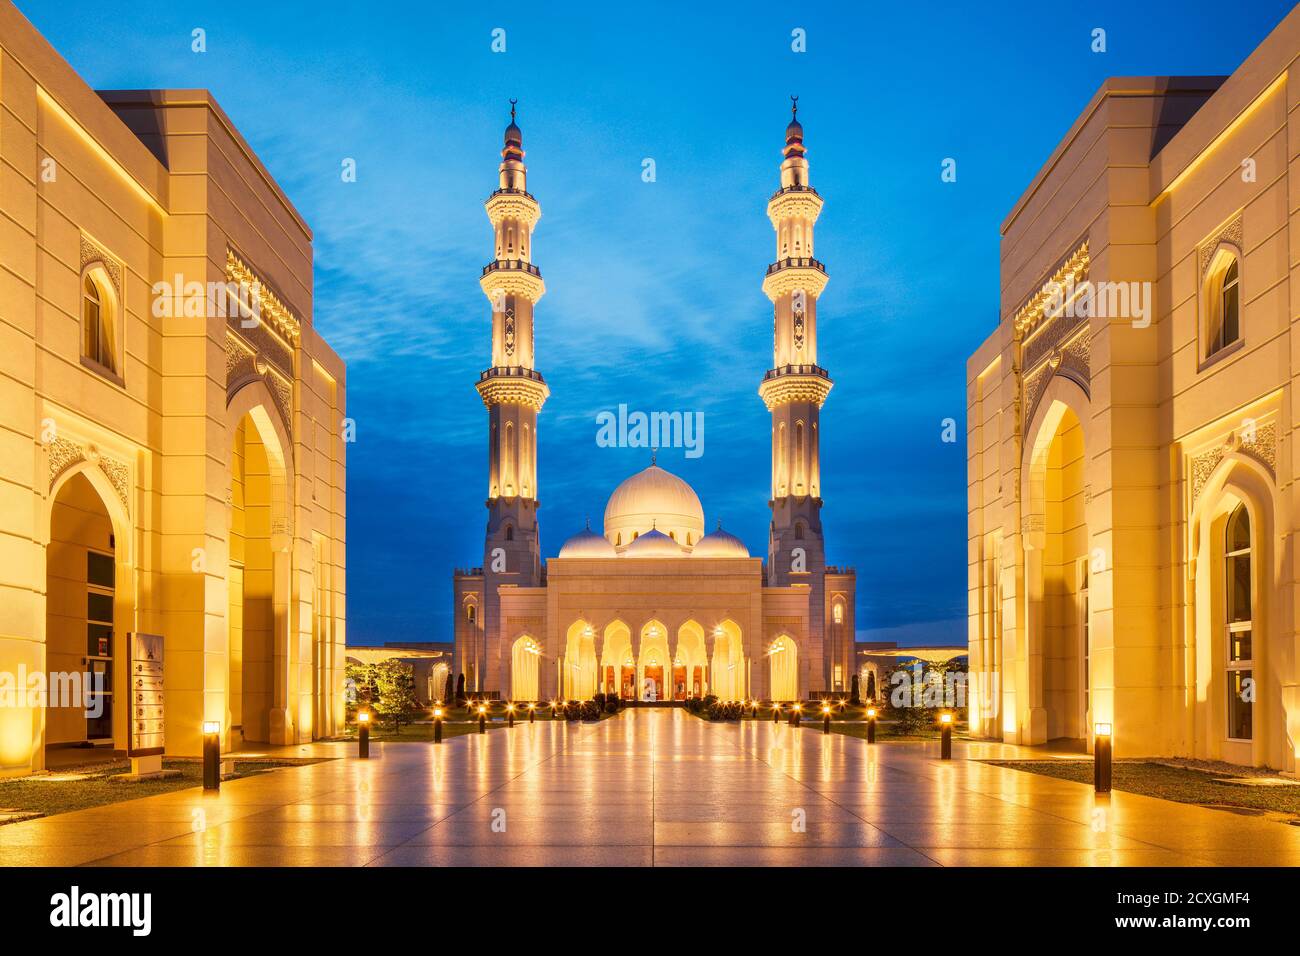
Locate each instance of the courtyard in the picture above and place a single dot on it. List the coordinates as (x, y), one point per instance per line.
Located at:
(651, 787)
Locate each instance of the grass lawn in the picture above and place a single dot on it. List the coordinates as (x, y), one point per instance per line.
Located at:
(77, 788)
(1182, 784)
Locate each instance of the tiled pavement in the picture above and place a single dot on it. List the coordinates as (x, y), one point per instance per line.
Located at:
(650, 787)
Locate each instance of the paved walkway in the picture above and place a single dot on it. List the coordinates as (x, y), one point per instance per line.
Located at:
(650, 787)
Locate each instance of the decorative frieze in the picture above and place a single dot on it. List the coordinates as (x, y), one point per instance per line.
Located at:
(1075, 268)
(272, 313)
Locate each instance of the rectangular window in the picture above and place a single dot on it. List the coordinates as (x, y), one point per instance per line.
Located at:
(99, 641)
(839, 677)
(1240, 693)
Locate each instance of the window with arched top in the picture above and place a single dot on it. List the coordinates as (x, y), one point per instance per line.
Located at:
(510, 532)
(1222, 303)
(837, 612)
(798, 531)
(471, 612)
(1238, 578)
(98, 320)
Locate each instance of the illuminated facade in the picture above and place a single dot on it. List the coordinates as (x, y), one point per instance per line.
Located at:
(1132, 523)
(655, 607)
(171, 452)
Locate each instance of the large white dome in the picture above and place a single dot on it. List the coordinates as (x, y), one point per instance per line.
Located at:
(654, 499)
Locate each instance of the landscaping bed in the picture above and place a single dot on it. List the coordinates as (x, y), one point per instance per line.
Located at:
(1185, 781)
(92, 785)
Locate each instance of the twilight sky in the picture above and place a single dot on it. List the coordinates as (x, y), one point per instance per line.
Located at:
(653, 289)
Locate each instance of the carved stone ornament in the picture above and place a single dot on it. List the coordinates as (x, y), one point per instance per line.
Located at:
(63, 453)
(1230, 233)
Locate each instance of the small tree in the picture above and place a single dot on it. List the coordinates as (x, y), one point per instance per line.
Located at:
(871, 686)
(395, 684)
(449, 690)
(360, 681)
(855, 696)
(460, 690)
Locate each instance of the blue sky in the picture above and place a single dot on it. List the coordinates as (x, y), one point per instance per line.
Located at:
(654, 295)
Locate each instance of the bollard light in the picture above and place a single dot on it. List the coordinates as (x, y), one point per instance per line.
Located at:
(796, 715)
(532, 713)
(437, 725)
(776, 712)
(945, 736)
(1101, 754)
(826, 718)
(871, 725)
(510, 715)
(212, 755)
(482, 719)
(363, 734)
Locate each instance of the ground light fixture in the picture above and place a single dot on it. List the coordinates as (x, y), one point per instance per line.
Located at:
(437, 725)
(871, 725)
(510, 715)
(776, 711)
(532, 713)
(212, 755)
(1101, 754)
(945, 736)
(363, 734)
(826, 718)
(482, 719)
(796, 712)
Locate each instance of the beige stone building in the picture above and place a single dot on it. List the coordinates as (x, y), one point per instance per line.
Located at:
(1132, 495)
(171, 424)
(654, 608)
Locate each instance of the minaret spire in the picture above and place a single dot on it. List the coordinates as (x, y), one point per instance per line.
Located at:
(796, 386)
(511, 387)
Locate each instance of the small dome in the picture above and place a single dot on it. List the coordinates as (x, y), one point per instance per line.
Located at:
(652, 499)
(720, 544)
(587, 544)
(654, 544)
(514, 135)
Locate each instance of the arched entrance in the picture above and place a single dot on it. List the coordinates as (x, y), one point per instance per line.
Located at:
(84, 626)
(580, 662)
(525, 660)
(727, 675)
(783, 664)
(1057, 566)
(618, 666)
(653, 662)
(258, 582)
(438, 682)
(689, 662)
(1238, 712)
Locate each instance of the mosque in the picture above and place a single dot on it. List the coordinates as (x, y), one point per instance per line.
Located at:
(655, 607)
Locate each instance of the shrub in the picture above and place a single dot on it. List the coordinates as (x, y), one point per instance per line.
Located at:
(725, 710)
(590, 710)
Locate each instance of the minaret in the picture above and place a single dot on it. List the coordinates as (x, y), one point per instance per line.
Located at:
(511, 388)
(796, 387)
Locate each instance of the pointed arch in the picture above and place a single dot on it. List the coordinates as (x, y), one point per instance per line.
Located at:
(1224, 647)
